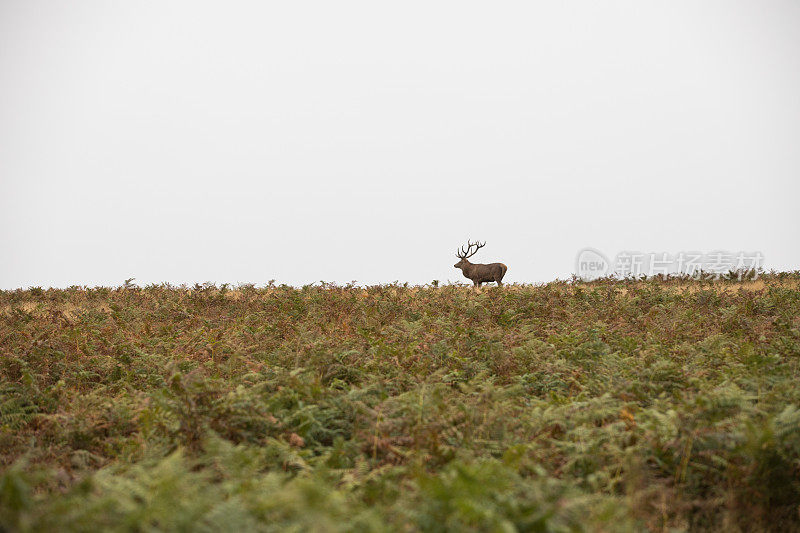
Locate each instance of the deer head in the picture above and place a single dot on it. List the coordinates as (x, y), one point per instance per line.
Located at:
(463, 254)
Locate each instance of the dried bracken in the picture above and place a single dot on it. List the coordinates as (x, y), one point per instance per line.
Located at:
(662, 404)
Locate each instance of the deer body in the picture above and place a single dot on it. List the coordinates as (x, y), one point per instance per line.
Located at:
(477, 272)
(480, 273)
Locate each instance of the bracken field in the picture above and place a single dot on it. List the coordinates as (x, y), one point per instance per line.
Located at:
(649, 405)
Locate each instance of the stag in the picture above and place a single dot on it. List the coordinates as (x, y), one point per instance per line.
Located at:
(479, 273)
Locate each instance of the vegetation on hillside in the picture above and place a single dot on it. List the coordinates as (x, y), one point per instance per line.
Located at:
(603, 406)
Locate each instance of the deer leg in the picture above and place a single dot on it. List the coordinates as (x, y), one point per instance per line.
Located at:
(499, 283)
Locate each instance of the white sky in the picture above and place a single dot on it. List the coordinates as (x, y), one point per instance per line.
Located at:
(191, 141)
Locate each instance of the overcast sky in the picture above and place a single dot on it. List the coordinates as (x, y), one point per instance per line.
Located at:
(190, 141)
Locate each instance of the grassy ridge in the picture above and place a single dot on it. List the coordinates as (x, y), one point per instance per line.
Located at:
(564, 407)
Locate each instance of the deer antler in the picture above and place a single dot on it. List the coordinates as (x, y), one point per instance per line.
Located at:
(469, 252)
